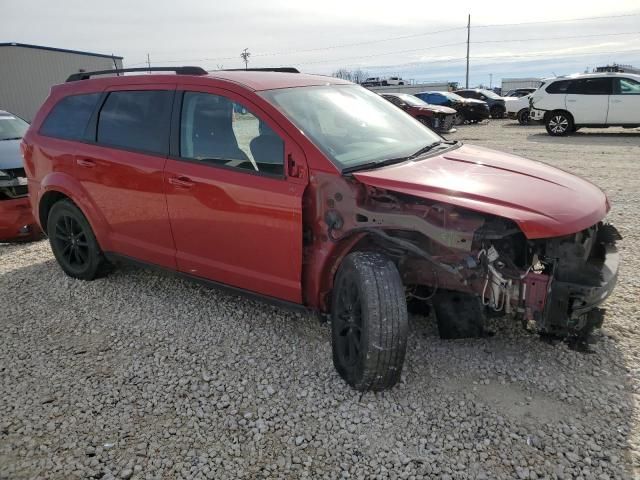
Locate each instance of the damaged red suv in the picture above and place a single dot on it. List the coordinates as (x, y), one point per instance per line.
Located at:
(315, 193)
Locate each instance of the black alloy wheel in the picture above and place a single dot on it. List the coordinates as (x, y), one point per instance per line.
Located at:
(73, 242)
(369, 325)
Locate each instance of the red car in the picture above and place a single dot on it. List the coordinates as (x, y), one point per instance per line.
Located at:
(16, 220)
(440, 119)
(318, 194)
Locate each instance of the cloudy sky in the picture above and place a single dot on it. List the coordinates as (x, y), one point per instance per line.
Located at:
(416, 39)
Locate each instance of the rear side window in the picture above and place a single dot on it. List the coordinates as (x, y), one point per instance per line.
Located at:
(69, 117)
(590, 86)
(137, 120)
(627, 86)
(558, 87)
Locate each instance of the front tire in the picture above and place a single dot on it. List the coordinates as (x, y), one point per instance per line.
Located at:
(73, 243)
(497, 112)
(559, 123)
(369, 322)
(523, 116)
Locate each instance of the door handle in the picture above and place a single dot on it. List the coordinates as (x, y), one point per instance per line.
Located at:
(181, 182)
(568, 100)
(613, 100)
(84, 162)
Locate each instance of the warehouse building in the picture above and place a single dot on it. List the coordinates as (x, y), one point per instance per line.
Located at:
(27, 73)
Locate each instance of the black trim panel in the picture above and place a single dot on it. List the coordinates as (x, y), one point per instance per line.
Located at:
(297, 307)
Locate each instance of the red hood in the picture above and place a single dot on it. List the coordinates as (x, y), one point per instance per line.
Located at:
(542, 200)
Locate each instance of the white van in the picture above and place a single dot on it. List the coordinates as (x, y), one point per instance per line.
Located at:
(566, 104)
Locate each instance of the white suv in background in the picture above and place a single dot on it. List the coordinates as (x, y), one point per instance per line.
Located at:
(566, 104)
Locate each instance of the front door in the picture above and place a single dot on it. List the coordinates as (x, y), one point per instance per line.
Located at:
(235, 210)
(587, 100)
(624, 104)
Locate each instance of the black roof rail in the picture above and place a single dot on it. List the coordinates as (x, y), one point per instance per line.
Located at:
(266, 69)
(178, 70)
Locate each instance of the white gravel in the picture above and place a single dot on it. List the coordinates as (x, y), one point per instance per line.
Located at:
(143, 375)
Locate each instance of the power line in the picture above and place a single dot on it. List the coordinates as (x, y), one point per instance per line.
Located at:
(500, 57)
(557, 21)
(387, 39)
(557, 38)
(462, 43)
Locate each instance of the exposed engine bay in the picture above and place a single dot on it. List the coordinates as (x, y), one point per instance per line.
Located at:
(552, 285)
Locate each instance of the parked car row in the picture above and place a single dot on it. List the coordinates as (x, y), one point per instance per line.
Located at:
(317, 194)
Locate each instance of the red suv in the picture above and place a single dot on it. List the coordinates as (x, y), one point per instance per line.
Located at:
(315, 193)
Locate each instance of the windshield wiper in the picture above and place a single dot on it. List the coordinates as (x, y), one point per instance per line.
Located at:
(10, 138)
(391, 161)
(431, 146)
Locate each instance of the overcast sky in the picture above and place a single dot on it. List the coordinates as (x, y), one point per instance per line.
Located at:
(320, 37)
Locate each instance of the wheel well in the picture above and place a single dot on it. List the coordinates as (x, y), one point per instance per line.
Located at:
(46, 202)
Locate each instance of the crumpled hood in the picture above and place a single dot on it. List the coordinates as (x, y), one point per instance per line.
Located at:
(544, 201)
(10, 156)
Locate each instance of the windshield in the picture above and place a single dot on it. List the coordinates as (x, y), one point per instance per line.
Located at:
(411, 100)
(351, 124)
(453, 96)
(12, 128)
(490, 94)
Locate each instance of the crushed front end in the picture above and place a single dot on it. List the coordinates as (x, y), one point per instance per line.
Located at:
(16, 220)
(554, 285)
(477, 263)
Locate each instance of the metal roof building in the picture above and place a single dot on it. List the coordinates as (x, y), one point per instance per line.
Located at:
(27, 72)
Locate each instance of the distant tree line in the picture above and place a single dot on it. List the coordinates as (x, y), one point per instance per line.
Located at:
(356, 76)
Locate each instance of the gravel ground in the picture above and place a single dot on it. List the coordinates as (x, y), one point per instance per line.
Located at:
(143, 375)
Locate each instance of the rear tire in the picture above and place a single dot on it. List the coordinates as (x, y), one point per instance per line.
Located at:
(559, 123)
(523, 116)
(73, 243)
(459, 119)
(369, 322)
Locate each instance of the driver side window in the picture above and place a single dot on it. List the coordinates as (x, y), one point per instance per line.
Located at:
(216, 130)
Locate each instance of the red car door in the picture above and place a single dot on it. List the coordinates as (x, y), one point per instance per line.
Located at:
(122, 171)
(235, 213)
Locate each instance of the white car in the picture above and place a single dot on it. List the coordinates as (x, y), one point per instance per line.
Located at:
(395, 81)
(566, 104)
(518, 108)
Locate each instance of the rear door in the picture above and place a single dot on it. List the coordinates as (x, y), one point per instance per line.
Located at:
(588, 100)
(122, 170)
(234, 188)
(624, 103)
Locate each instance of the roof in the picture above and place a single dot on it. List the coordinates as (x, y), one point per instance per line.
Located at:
(575, 76)
(252, 80)
(270, 80)
(63, 50)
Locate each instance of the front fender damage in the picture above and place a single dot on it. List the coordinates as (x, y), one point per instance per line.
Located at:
(552, 286)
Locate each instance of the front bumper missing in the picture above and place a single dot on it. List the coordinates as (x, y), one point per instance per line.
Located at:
(573, 307)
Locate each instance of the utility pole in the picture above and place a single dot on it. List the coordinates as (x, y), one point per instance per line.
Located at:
(149, 62)
(245, 57)
(468, 39)
(490, 81)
